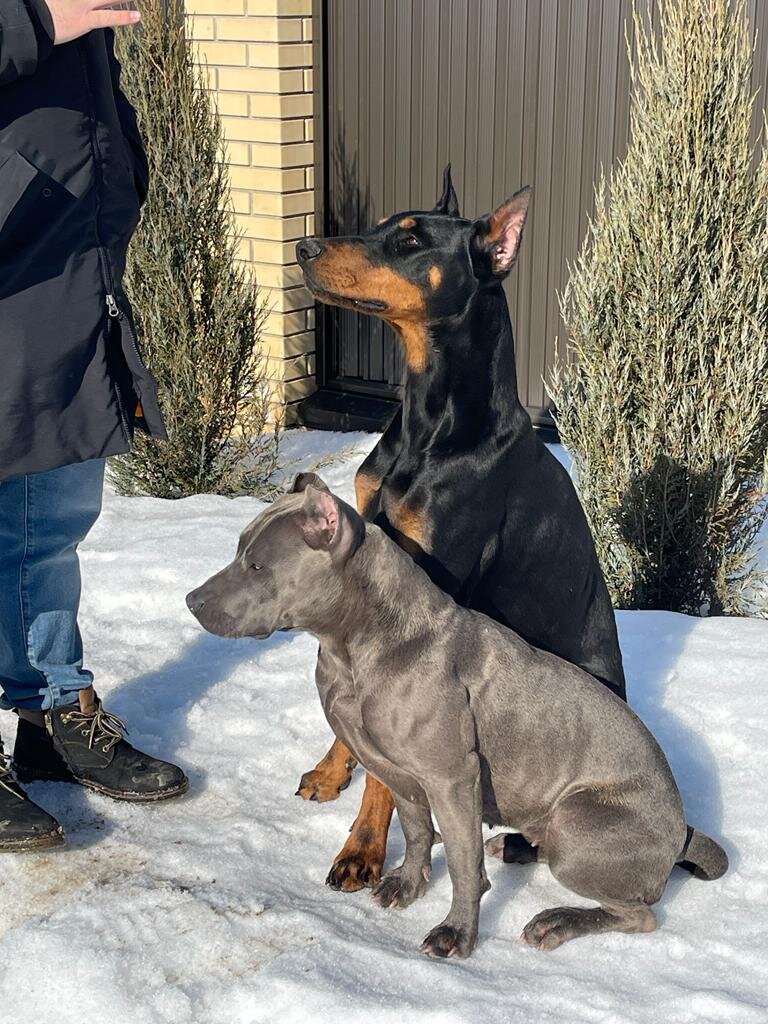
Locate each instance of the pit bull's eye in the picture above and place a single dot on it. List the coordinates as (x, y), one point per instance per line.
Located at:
(255, 567)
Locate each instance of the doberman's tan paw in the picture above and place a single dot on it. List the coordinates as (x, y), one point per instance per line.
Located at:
(330, 776)
(359, 865)
(322, 785)
(361, 860)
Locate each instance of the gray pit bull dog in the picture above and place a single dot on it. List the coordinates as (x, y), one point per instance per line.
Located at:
(464, 720)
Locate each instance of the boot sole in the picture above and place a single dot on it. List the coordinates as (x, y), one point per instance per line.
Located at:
(30, 775)
(44, 842)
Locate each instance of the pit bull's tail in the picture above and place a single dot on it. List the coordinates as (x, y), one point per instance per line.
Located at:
(702, 856)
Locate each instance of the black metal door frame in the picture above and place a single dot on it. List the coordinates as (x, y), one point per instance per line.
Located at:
(323, 313)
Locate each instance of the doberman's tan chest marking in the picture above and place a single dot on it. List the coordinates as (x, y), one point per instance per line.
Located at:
(367, 486)
(410, 520)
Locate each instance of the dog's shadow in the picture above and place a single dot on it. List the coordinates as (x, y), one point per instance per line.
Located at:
(168, 693)
(650, 658)
(156, 705)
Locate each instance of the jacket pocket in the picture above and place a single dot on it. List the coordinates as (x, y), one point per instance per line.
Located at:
(41, 225)
(16, 175)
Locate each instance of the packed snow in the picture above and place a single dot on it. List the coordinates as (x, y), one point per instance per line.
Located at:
(212, 909)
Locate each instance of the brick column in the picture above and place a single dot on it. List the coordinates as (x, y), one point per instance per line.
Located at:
(259, 56)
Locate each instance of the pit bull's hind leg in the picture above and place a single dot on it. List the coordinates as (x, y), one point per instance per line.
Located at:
(616, 848)
(551, 928)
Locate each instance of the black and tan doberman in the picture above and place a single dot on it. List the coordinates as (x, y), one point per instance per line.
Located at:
(460, 479)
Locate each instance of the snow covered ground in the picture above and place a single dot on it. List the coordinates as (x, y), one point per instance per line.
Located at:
(212, 909)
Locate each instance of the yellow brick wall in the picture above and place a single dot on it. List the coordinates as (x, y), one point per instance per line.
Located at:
(259, 57)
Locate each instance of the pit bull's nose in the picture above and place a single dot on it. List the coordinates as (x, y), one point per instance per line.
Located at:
(308, 249)
(195, 602)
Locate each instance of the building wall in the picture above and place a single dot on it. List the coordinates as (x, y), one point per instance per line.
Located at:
(259, 59)
(512, 92)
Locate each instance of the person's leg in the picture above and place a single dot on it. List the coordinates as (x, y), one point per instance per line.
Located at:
(43, 518)
(64, 733)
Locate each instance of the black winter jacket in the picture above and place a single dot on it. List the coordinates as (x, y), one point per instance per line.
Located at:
(73, 175)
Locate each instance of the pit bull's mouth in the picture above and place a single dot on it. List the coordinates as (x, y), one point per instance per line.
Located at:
(336, 299)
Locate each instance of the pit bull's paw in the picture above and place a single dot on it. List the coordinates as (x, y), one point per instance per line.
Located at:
(399, 889)
(322, 786)
(551, 928)
(447, 940)
(355, 870)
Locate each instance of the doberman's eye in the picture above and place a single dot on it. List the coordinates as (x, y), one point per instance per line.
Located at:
(409, 242)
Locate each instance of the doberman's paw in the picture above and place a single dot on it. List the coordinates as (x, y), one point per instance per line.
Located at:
(446, 940)
(399, 889)
(551, 928)
(355, 870)
(361, 859)
(322, 786)
(494, 847)
(512, 848)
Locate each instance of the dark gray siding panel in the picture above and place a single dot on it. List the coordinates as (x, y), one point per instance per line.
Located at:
(512, 92)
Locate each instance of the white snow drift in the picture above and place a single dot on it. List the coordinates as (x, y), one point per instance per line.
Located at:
(212, 909)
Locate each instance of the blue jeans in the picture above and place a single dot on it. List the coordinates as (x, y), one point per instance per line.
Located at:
(43, 517)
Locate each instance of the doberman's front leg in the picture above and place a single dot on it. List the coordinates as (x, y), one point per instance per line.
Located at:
(374, 468)
(362, 858)
(329, 776)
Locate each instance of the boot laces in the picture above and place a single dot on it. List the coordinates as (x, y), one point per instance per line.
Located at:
(6, 773)
(103, 728)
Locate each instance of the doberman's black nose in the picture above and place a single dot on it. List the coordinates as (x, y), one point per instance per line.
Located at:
(308, 249)
(195, 602)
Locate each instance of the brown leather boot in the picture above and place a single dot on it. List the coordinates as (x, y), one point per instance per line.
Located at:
(85, 744)
(23, 825)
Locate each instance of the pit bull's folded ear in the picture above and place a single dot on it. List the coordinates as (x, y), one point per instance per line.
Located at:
(304, 480)
(497, 237)
(329, 524)
(448, 203)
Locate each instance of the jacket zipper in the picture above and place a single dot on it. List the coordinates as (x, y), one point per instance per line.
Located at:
(116, 386)
(112, 308)
(114, 311)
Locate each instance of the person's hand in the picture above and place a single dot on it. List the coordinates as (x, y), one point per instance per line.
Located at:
(74, 18)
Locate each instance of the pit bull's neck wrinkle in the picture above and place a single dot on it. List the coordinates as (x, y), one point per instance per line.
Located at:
(469, 390)
(376, 578)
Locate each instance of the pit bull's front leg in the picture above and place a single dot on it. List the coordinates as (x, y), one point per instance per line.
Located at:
(457, 805)
(333, 773)
(404, 884)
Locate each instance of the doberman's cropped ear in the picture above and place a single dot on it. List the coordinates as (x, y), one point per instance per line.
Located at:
(497, 236)
(329, 524)
(304, 480)
(448, 203)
